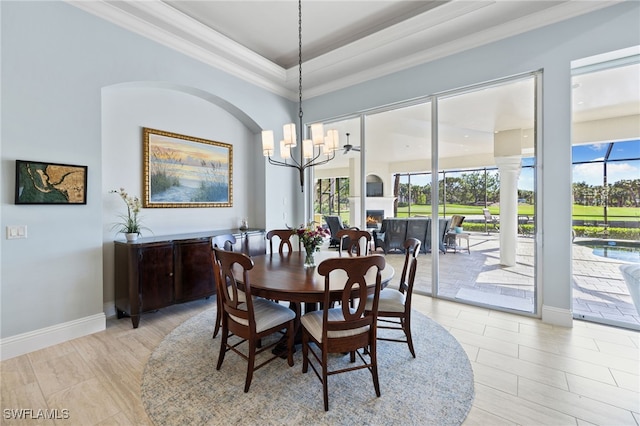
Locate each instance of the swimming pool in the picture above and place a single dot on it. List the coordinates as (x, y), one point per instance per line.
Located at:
(628, 251)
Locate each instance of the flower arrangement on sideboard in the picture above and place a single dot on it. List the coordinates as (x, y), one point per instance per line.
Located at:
(131, 224)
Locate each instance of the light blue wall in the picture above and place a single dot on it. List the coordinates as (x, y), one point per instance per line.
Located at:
(550, 49)
(56, 60)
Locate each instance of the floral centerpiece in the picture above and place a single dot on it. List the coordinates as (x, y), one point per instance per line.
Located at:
(312, 237)
(130, 225)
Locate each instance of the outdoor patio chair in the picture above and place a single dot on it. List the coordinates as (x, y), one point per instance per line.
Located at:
(522, 221)
(490, 220)
(335, 225)
(450, 238)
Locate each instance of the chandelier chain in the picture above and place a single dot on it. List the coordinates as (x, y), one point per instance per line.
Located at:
(305, 162)
(300, 57)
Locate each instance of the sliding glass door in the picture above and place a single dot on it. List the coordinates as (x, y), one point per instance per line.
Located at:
(397, 154)
(336, 184)
(486, 158)
(474, 213)
(606, 187)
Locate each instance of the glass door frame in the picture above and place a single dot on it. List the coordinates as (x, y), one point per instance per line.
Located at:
(435, 198)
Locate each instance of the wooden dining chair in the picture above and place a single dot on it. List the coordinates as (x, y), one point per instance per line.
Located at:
(250, 320)
(394, 308)
(225, 242)
(354, 241)
(344, 328)
(284, 235)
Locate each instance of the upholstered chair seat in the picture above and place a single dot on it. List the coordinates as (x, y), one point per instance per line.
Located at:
(391, 300)
(344, 329)
(267, 314)
(247, 317)
(313, 323)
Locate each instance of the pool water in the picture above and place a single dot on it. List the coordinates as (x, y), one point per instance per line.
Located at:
(625, 251)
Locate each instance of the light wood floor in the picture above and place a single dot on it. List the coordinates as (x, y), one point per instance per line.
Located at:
(526, 372)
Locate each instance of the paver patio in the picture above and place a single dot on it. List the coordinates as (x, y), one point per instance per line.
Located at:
(599, 291)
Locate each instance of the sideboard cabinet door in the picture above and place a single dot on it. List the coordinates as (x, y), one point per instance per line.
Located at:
(143, 278)
(194, 270)
(153, 273)
(156, 277)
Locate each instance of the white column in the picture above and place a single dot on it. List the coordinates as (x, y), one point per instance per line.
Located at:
(354, 192)
(354, 212)
(509, 168)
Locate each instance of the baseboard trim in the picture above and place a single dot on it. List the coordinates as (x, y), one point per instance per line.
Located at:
(21, 344)
(557, 316)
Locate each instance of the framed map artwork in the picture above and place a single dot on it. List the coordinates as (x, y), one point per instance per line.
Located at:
(185, 171)
(50, 183)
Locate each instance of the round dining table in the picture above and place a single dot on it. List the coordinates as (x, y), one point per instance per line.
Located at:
(284, 277)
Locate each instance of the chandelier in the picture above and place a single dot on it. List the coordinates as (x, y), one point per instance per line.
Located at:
(318, 150)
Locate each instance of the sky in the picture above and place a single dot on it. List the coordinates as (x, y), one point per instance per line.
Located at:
(590, 173)
(616, 170)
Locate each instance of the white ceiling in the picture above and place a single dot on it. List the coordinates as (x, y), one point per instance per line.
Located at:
(346, 42)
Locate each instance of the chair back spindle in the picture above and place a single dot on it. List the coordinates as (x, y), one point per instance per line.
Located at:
(284, 235)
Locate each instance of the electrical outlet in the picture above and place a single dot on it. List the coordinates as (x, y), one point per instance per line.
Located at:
(15, 232)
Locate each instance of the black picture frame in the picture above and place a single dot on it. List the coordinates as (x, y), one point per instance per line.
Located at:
(50, 183)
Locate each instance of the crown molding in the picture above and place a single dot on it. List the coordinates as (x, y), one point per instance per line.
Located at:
(382, 53)
(385, 52)
(272, 80)
(213, 41)
(378, 52)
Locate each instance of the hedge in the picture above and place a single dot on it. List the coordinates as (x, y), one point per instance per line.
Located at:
(632, 234)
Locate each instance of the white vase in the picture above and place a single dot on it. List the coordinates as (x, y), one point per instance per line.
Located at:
(131, 236)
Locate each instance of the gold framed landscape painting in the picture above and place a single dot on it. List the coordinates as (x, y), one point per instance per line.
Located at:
(185, 171)
(50, 183)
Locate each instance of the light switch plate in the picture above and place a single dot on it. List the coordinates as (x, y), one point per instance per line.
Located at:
(16, 231)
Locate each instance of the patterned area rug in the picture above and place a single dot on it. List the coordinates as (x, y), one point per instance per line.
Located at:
(181, 386)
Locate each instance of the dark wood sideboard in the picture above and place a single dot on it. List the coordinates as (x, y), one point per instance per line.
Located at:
(155, 272)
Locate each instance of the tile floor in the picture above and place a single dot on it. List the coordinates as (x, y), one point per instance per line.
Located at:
(525, 372)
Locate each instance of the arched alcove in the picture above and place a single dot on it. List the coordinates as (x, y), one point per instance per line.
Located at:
(126, 109)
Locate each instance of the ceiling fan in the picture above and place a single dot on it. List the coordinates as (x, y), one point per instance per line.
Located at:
(348, 147)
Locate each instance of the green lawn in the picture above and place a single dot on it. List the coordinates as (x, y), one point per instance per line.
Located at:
(613, 213)
(579, 212)
(462, 209)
